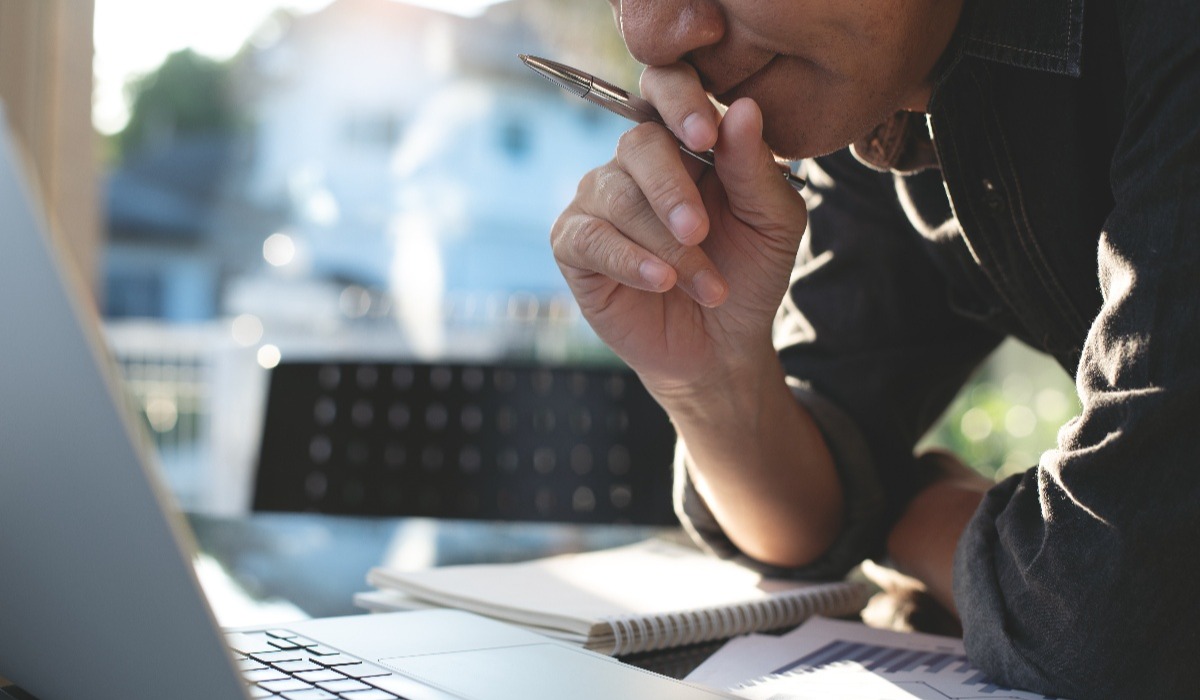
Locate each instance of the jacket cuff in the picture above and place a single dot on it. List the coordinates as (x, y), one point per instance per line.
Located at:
(864, 531)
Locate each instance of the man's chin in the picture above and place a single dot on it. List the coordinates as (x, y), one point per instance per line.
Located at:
(794, 144)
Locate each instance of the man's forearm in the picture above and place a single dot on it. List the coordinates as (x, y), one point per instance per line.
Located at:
(761, 465)
(923, 540)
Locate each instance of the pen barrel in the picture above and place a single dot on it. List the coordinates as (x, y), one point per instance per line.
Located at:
(624, 103)
(619, 101)
(637, 109)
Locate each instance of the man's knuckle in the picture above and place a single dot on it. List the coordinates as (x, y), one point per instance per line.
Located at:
(588, 183)
(559, 231)
(625, 200)
(666, 191)
(636, 141)
(584, 244)
(605, 250)
(589, 239)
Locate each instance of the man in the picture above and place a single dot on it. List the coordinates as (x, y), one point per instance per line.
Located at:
(1020, 168)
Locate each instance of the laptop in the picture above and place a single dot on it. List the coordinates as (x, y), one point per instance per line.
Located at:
(98, 595)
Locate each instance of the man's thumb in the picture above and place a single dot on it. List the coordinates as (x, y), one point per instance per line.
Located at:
(753, 181)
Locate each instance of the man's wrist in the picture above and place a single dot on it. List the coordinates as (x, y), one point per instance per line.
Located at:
(725, 391)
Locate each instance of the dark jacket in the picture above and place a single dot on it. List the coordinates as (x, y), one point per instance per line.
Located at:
(1063, 209)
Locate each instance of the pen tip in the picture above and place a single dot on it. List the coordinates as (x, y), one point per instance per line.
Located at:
(565, 77)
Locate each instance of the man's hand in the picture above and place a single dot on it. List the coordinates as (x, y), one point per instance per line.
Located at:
(679, 268)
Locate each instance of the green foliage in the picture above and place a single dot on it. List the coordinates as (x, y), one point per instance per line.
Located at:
(1009, 414)
(188, 93)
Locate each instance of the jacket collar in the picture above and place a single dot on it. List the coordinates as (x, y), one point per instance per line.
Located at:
(1042, 35)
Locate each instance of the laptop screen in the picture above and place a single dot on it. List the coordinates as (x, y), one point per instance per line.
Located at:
(95, 578)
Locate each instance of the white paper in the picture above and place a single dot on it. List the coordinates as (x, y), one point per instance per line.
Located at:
(740, 659)
(839, 660)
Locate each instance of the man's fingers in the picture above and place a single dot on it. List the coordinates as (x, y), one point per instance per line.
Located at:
(613, 230)
(758, 193)
(593, 245)
(676, 93)
(651, 156)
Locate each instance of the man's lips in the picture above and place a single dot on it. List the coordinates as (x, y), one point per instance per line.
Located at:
(729, 92)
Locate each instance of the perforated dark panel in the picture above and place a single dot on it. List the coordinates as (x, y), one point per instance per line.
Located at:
(505, 442)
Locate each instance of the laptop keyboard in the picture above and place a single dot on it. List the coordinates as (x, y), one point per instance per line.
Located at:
(280, 665)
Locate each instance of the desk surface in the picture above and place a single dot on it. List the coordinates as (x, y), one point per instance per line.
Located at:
(269, 569)
(316, 563)
(274, 568)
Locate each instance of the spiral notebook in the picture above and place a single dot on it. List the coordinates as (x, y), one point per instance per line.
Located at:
(651, 595)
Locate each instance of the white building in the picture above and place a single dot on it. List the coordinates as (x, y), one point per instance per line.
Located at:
(418, 157)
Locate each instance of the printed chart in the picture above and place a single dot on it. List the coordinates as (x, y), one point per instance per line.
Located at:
(928, 675)
(838, 660)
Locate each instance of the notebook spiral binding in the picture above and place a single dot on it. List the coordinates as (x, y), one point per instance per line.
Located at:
(635, 634)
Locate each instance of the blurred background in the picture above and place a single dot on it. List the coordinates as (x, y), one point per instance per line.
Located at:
(244, 182)
(324, 178)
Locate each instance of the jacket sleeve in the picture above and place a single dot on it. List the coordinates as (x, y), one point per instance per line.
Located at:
(1078, 578)
(872, 350)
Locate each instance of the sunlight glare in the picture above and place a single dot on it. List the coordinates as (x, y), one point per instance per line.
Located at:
(279, 249)
(133, 37)
(247, 330)
(269, 357)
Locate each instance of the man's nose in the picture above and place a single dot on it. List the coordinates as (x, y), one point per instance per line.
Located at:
(660, 32)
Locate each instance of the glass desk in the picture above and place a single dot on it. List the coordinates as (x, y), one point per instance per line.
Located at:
(270, 568)
(316, 563)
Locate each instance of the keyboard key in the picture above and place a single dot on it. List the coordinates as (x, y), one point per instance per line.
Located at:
(274, 657)
(250, 664)
(321, 649)
(310, 695)
(286, 686)
(256, 693)
(263, 675)
(294, 667)
(250, 643)
(281, 634)
(325, 674)
(343, 686)
(364, 670)
(336, 660)
(371, 695)
(284, 644)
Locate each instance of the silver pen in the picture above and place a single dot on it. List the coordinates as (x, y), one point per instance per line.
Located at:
(618, 101)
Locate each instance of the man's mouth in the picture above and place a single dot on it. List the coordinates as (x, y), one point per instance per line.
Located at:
(727, 93)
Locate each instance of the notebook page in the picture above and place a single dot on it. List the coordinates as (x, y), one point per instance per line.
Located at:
(576, 590)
